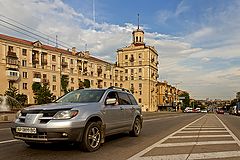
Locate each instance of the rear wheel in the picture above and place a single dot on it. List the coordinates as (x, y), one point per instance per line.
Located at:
(92, 137)
(137, 126)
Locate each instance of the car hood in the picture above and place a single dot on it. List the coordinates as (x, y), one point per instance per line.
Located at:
(56, 106)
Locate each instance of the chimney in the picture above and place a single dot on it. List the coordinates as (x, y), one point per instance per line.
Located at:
(74, 51)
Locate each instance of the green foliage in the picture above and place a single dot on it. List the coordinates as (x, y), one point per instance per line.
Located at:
(36, 86)
(64, 83)
(43, 95)
(86, 83)
(186, 100)
(21, 98)
(13, 92)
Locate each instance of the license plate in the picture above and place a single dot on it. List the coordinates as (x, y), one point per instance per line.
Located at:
(29, 130)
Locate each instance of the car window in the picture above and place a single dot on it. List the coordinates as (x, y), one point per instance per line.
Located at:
(133, 100)
(112, 94)
(82, 96)
(123, 99)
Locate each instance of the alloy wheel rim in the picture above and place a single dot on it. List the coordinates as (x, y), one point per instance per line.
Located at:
(94, 137)
(137, 127)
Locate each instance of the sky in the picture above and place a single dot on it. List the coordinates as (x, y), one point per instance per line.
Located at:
(198, 41)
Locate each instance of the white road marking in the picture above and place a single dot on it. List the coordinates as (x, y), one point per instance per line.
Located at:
(202, 131)
(204, 128)
(195, 143)
(193, 156)
(8, 141)
(155, 119)
(230, 132)
(201, 136)
(4, 129)
(138, 155)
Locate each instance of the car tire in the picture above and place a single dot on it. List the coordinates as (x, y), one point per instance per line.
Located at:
(91, 140)
(136, 129)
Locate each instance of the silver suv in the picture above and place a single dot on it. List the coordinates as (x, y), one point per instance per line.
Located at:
(84, 116)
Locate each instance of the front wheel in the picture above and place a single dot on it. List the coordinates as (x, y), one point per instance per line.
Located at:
(137, 126)
(92, 137)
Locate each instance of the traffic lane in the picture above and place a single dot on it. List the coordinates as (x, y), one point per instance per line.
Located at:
(232, 122)
(5, 131)
(120, 146)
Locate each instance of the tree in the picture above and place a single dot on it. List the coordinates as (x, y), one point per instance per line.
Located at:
(43, 95)
(21, 98)
(12, 92)
(64, 83)
(36, 86)
(186, 100)
(86, 83)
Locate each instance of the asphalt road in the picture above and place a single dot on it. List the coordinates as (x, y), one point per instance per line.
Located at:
(155, 129)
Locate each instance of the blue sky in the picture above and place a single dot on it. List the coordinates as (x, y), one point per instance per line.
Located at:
(198, 41)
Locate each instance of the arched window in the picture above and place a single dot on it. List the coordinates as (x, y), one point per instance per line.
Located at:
(137, 39)
(140, 40)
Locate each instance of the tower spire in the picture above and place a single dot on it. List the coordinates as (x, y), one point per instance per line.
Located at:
(138, 20)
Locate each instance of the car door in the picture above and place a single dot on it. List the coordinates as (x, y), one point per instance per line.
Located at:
(113, 114)
(126, 107)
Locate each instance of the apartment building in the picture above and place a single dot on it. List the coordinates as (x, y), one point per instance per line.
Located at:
(24, 62)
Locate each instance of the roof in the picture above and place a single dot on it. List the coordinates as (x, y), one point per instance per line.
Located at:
(47, 47)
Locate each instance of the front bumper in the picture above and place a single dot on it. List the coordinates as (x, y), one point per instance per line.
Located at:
(49, 134)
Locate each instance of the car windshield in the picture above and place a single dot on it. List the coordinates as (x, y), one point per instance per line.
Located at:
(82, 96)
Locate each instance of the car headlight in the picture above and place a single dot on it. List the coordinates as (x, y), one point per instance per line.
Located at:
(18, 114)
(67, 114)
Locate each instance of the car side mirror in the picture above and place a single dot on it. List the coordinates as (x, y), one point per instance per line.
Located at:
(111, 101)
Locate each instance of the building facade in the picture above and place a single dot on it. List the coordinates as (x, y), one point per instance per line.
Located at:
(24, 62)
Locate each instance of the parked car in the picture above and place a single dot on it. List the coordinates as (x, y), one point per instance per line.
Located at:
(84, 116)
(220, 111)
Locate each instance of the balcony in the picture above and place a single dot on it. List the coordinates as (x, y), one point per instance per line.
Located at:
(12, 55)
(35, 60)
(12, 75)
(99, 70)
(12, 63)
(64, 64)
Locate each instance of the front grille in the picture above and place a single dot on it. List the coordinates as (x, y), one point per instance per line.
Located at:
(46, 114)
(40, 136)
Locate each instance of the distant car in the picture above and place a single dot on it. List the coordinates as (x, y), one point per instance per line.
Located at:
(204, 111)
(83, 116)
(220, 111)
(188, 110)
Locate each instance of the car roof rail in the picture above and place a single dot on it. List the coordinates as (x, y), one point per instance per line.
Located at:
(119, 88)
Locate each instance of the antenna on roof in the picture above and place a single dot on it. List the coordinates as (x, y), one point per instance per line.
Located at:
(138, 20)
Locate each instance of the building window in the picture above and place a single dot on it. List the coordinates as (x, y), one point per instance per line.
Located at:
(24, 52)
(54, 58)
(24, 85)
(54, 87)
(54, 78)
(126, 78)
(116, 84)
(72, 80)
(126, 56)
(140, 62)
(71, 70)
(126, 70)
(54, 67)
(10, 48)
(91, 73)
(44, 76)
(132, 78)
(121, 85)
(132, 71)
(105, 76)
(110, 76)
(105, 84)
(140, 70)
(24, 74)
(140, 85)
(139, 100)
(24, 63)
(110, 84)
(140, 55)
(71, 61)
(140, 92)
(126, 63)
(140, 77)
